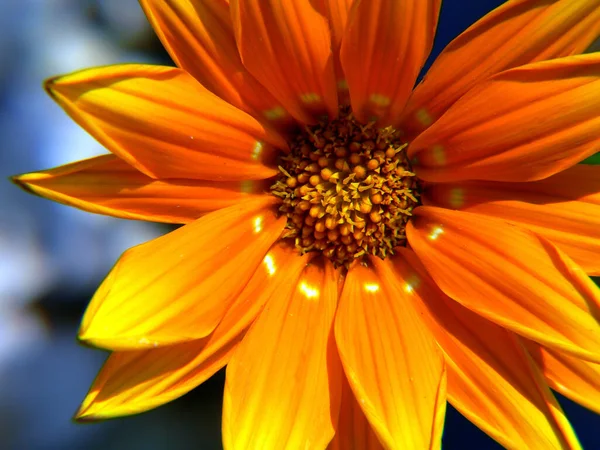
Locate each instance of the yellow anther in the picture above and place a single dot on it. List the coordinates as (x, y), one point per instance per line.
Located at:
(347, 190)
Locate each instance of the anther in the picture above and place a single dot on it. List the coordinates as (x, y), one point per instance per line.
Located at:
(326, 173)
(347, 190)
(372, 164)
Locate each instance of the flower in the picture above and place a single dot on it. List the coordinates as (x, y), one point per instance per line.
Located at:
(355, 251)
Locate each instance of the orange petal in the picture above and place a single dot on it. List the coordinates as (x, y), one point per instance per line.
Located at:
(353, 431)
(336, 13)
(565, 208)
(574, 378)
(287, 47)
(135, 381)
(491, 379)
(164, 123)
(132, 382)
(383, 50)
(510, 276)
(198, 35)
(282, 387)
(108, 185)
(523, 124)
(517, 33)
(178, 287)
(392, 362)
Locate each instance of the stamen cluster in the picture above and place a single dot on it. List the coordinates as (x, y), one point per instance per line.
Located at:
(347, 190)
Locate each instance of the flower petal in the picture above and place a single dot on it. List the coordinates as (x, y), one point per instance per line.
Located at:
(198, 34)
(517, 33)
(491, 379)
(383, 50)
(165, 124)
(132, 382)
(353, 431)
(178, 287)
(287, 47)
(108, 185)
(392, 362)
(135, 381)
(510, 276)
(336, 13)
(282, 384)
(565, 208)
(523, 124)
(574, 378)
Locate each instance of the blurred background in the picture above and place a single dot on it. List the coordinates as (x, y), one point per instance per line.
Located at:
(53, 257)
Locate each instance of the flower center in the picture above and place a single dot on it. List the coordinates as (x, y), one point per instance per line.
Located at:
(347, 190)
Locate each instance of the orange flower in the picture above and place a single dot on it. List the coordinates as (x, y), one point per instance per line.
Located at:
(348, 297)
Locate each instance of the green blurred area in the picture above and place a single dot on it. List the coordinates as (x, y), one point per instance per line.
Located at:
(594, 159)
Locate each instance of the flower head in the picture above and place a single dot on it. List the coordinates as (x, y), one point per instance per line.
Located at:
(356, 251)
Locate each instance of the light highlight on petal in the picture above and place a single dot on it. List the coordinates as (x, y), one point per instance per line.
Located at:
(135, 381)
(178, 287)
(516, 33)
(392, 362)
(199, 37)
(385, 45)
(523, 124)
(283, 384)
(510, 276)
(163, 122)
(565, 208)
(491, 379)
(287, 47)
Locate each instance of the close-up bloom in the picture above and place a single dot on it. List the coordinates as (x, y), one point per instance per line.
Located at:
(358, 245)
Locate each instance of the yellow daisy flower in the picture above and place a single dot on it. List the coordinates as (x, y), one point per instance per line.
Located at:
(356, 250)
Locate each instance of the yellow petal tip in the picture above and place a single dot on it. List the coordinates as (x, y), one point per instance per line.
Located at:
(25, 182)
(91, 412)
(48, 85)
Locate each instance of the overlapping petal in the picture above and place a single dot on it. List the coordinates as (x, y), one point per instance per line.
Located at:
(287, 47)
(353, 431)
(510, 276)
(564, 208)
(572, 377)
(491, 379)
(135, 381)
(283, 384)
(198, 34)
(517, 33)
(392, 362)
(336, 13)
(108, 185)
(178, 287)
(521, 125)
(164, 123)
(384, 47)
